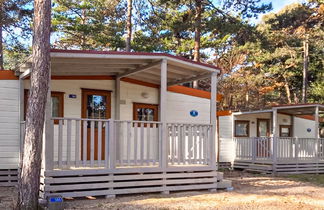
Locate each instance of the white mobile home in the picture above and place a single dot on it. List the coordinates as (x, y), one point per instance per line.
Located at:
(284, 139)
(120, 124)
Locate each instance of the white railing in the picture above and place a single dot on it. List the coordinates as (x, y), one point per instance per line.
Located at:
(257, 148)
(137, 143)
(189, 143)
(299, 148)
(279, 149)
(92, 143)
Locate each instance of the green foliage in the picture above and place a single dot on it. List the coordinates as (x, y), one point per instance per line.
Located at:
(15, 20)
(89, 24)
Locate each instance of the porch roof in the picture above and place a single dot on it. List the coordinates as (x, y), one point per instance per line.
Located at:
(136, 65)
(290, 109)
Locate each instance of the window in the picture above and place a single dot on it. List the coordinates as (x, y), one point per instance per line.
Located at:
(242, 128)
(57, 104)
(285, 130)
(145, 112)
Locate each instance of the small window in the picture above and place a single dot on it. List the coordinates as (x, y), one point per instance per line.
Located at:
(242, 128)
(145, 112)
(57, 104)
(285, 131)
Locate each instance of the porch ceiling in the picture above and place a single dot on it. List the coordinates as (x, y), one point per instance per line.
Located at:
(139, 66)
(308, 109)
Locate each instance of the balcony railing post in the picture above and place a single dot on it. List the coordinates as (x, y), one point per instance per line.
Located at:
(48, 135)
(254, 148)
(296, 148)
(275, 149)
(112, 145)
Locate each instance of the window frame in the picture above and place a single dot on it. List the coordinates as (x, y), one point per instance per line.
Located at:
(285, 126)
(247, 122)
(58, 94)
(155, 107)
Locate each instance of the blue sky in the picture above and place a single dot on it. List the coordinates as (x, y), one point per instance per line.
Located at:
(279, 4)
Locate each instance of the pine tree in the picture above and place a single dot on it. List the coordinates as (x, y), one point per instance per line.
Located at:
(89, 24)
(14, 14)
(29, 178)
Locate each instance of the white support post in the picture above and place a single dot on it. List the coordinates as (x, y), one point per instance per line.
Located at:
(117, 99)
(48, 145)
(117, 117)
(316, 131)
(163, 98)
(164, 140)
(213, 119)
(21, 116)
(274, 138)
(316, 122)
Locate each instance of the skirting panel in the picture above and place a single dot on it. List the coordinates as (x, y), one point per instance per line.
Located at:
(100, 183)
(282, 168)
(8, 177)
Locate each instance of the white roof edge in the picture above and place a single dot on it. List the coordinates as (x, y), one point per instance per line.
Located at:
(90, 55)
(252, 112)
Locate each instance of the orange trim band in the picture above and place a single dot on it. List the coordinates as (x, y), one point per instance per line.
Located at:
(224, 113)
(138, 82)
(192, 92)
(8, 75)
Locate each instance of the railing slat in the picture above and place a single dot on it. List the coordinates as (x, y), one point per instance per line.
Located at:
(84, 145)
(129, 136)
(77, 143)
(107, 144)
(99, 156)
(148, 144)
(60, 144)
(68, 144)
(135, 143)
(92, 142)
(142, 144)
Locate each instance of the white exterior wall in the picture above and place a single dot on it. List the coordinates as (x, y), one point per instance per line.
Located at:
(300, 128)
(9, 124)
(178, 105)
(227, 146)
(282, 120)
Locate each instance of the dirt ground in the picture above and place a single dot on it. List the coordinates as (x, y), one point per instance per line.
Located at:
(250, 192)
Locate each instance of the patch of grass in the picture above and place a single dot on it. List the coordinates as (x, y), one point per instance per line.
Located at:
(317, 179)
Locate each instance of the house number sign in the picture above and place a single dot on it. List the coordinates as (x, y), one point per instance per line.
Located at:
(193, 113)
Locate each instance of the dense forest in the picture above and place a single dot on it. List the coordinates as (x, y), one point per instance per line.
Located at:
(261, 63)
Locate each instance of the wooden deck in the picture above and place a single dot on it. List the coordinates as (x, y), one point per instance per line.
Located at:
(8, 177)
(131, 157)
(107, 182)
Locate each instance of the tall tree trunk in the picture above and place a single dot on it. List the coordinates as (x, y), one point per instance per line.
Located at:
(1, 38)
(305, 70)
(197, 35)
(287, 91)
(40, 76)
(197, 30)
(129, 25)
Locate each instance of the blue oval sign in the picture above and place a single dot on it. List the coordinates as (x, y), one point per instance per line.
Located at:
(194, 113)
(309, 130)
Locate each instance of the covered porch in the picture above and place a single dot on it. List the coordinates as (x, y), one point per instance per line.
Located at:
(103, 150)
(288, 139)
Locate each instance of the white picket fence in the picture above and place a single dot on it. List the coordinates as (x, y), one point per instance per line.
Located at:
(279, 149)
(92, 143)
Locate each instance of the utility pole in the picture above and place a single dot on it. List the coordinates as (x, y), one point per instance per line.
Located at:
(305, 69)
